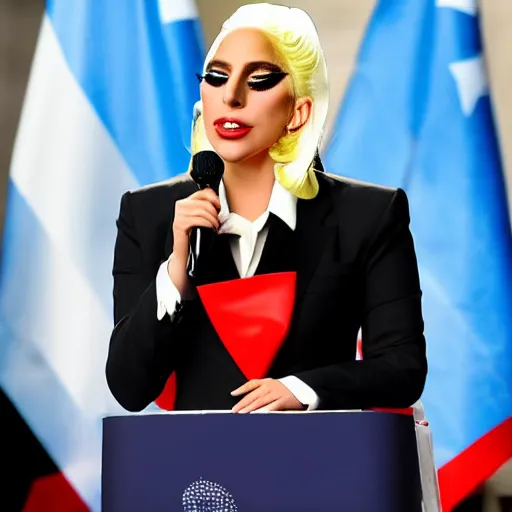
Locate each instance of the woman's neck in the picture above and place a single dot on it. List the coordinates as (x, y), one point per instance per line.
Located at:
(249, 187)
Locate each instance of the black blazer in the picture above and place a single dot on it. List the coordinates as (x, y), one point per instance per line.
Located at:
(357, 267)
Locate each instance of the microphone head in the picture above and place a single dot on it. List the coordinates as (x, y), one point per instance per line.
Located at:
(207, 170)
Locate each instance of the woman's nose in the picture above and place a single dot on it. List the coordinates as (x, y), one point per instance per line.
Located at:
(234, 93)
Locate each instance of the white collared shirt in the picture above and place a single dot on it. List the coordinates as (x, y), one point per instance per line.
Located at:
(246, 250)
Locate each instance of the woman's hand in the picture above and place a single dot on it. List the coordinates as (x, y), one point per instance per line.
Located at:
(201, 209)
(267, 394)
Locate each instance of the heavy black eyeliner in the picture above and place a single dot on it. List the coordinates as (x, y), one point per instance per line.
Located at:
(263, 82)
(267, 81)
(215, 78)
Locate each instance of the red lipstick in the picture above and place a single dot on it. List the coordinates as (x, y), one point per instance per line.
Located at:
(235, 128)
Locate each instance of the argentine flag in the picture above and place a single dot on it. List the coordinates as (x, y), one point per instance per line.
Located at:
(108, 108)
(417, 115)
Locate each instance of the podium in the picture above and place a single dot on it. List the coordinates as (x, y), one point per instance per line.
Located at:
(264, 462)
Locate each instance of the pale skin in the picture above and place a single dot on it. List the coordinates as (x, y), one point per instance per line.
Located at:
(249, 170)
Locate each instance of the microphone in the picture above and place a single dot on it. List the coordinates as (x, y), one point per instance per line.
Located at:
(207, 171)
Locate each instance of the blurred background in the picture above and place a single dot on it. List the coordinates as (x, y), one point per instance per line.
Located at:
(341, 25)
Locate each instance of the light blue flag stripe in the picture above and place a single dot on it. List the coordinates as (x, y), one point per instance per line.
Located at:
(407, 121)
(139, 78)
(184, 43)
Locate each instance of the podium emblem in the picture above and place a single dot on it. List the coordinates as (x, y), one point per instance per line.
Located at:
(205, 496)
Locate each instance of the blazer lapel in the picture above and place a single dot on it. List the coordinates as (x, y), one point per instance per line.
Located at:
(316, 225)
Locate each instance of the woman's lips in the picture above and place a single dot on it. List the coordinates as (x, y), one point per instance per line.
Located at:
(225, 129)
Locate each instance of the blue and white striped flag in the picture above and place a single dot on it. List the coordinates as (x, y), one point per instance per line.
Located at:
(108, 108)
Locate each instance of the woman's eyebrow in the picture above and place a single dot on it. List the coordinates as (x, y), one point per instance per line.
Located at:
(268, 66)
(218, 64)
(249, 67)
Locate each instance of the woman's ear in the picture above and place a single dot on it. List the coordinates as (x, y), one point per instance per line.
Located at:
(301, 114)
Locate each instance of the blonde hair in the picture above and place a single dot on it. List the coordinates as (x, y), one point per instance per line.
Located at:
(296, 42)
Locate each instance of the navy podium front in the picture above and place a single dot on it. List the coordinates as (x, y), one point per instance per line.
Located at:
(265, 462)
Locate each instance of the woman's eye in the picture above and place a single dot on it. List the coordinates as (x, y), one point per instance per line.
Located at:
(215, 78)
(266, 81)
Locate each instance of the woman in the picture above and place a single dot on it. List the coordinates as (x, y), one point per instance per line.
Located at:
(264, 99)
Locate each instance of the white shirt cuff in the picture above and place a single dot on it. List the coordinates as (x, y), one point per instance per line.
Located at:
(302, 392)
(167, 295)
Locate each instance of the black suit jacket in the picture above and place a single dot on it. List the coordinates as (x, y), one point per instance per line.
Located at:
(356, 268)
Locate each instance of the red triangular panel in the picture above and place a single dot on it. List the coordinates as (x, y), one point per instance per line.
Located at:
(252, 317)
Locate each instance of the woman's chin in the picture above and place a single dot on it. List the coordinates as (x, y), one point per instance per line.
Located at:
(229, 158)
(233, 155)
(239, 155)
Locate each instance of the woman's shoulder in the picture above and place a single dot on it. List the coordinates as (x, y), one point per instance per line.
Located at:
(362, 203)
(158, 198)
(152, 206)
(177, 187)
(360, 189)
